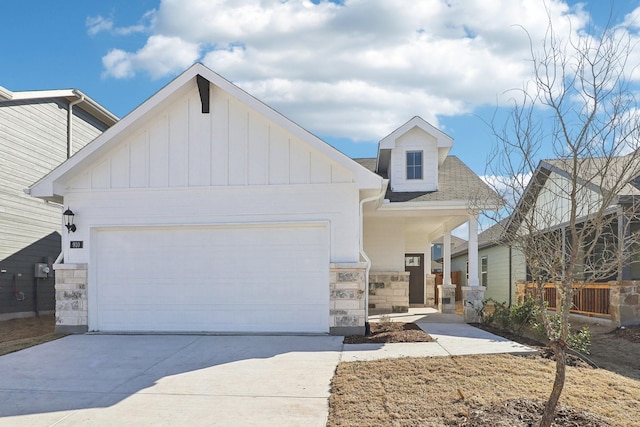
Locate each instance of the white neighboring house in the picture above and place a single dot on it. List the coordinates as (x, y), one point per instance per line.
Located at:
(206, 210)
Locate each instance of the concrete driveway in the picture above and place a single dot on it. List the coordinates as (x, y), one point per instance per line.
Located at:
(170, 380)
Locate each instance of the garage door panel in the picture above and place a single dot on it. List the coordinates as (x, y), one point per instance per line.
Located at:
(198, 319)
(257, 278)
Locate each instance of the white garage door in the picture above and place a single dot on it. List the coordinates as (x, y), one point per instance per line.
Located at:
(216, 279)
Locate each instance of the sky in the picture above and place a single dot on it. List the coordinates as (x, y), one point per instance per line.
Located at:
(349, 71)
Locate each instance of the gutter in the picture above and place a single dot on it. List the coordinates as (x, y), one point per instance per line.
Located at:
(5, 94)
(367, 260)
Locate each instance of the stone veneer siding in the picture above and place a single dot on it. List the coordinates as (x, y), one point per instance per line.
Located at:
(388, 292)
(624, 303)
(71, 298)
(347, 299)
(430, 283)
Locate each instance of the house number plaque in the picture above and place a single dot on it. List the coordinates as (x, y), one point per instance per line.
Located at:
(76, 244)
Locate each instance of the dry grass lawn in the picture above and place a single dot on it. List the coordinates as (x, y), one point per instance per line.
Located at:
(17, 334)
(438, 391)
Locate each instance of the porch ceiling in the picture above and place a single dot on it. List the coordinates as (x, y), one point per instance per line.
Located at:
(425, 224)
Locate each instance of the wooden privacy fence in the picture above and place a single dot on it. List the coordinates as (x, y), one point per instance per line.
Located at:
(456, 277)
(592, 299)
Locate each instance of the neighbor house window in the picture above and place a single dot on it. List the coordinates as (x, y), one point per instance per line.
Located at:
(414, 164)
(484, 270)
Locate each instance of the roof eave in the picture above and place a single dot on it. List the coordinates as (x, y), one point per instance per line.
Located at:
(363, 178)
(92, 107)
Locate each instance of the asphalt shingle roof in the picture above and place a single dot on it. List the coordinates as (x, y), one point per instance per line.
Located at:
(604, 172)
(455, 182)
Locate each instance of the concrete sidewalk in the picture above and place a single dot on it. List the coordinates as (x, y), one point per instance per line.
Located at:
(452, 337)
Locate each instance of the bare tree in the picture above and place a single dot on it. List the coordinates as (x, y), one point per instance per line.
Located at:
(571, 215)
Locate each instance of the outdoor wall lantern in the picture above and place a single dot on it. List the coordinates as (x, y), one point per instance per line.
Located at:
(68, 220)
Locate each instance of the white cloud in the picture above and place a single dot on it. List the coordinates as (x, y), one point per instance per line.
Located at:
(357, 69)
(98, 24)
(117, 63)
(632, 19)
(159, 57)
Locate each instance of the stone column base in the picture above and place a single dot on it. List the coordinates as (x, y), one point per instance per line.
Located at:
(625, 303)
(347, 315)
(71, 298)
(447, 298)
(472, 302)
(430, 283)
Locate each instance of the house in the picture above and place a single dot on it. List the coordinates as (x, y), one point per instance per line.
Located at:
(503, 265)
(38, 131)
(206, 210)
(500, 265)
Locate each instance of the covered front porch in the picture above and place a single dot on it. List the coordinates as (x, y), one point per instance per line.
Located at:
(398, 242)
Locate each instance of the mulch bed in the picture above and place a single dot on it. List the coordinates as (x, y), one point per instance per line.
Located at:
(390, 332)
(572, 359)
(525, 412)
(629, 333)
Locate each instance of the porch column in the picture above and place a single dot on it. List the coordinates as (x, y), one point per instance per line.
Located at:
(473, 251)
(624, 235)
(473, 294)
(429, 279)
(446, 258)
(427, 259)
(446, 291)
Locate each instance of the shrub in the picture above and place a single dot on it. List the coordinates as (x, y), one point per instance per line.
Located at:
(579, 340)
(524, 314)
(527, 315)
(499, 316)
(514, 318)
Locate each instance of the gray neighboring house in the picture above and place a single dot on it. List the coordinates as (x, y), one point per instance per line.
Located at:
(38, 131)
(499, 265)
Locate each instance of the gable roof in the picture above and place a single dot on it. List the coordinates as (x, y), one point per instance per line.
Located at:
(51, 186)
(456, 182)
(598, 174)
(601, 173)
(455, 241)
(443, 142)
(71, 95)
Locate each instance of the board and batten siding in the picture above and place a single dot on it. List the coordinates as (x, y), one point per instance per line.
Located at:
(415, 140)
(179, 167)
(232, 146)
(33, 141)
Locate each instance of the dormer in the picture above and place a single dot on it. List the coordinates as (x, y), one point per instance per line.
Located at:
(411, 155)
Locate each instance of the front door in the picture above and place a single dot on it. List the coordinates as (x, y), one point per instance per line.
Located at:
(414, 264)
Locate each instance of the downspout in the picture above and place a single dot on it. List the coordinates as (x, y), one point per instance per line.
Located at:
(363, 254)
(510, 276)
(70, 121)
